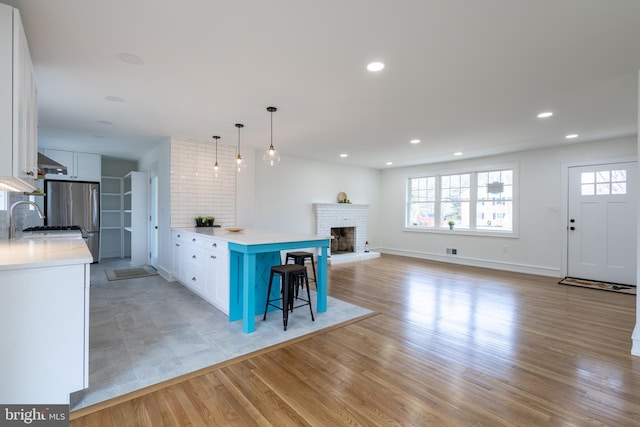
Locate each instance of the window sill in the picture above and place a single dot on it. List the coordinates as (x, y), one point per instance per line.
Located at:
(462, 232)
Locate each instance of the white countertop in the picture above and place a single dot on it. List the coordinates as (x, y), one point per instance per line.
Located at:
(252, 236)
(33, 253)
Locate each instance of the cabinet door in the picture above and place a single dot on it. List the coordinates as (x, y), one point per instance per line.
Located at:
(195, 275)
(178, 260)
(88, 167)
(24, 138)
(222, 282)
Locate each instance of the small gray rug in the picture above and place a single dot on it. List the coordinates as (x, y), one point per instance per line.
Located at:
(130, 273)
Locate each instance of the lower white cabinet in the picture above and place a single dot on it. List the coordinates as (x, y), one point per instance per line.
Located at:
(201, 263)
(44, 318)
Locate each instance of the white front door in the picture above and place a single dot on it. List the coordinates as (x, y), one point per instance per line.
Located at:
(602, 223)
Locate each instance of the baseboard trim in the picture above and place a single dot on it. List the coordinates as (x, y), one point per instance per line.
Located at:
(475, 262)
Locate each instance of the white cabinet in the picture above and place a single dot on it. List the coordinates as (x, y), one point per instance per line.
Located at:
(44, 318)
(201, 263)
(18, 107)
(135, 217)
(80, 166)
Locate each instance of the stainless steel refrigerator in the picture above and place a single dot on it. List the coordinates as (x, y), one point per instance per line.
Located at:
(75, 203)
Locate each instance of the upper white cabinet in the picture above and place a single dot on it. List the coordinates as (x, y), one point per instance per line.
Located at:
(80, 166)
(18, 107)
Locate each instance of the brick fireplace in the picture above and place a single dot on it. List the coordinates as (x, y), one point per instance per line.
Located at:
(343, 215)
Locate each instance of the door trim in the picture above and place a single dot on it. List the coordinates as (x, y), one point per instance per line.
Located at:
(564, 200)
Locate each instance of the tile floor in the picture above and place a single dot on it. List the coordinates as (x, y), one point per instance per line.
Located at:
(147, 330)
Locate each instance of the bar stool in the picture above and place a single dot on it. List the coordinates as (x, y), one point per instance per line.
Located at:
(290, 274)
(300, 258)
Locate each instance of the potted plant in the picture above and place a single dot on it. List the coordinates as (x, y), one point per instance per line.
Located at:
(199, 221)
(451, 224)
(209, 221)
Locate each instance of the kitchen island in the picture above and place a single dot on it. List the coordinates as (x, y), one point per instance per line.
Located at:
(252, 253)
(44, 319)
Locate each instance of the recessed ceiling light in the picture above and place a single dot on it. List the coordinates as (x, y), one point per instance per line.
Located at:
(375, 66)
(572, 136)
(458, 153)
(104, 122)
(545, 115)
(344, 155)
(415, 141)
(130, 58)
(114, 98)
(389, 163)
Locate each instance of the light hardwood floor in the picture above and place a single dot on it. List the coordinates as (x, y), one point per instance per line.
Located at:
(450, 345)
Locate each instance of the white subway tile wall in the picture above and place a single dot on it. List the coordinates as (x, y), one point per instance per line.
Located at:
(329, 215)
(195, 189)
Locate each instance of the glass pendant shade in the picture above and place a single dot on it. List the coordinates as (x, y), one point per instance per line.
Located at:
(216, 167)
(239, 162)
(271, 156)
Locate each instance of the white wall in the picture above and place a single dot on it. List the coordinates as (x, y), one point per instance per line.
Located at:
(537, 249)
(195, 188)
(284, 195)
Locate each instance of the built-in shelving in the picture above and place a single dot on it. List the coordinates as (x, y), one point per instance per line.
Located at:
(112, 238)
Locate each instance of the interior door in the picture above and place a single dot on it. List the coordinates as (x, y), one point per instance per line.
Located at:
(153, 220)
(602, 223)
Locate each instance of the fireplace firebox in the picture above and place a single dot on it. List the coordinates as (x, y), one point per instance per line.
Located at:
(344, 240)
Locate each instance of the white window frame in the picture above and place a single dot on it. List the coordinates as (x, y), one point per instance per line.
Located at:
(4, 197)
(472, 230)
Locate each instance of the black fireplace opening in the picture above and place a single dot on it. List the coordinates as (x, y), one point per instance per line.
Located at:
(343, 240)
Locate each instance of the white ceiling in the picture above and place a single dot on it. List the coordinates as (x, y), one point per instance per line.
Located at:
(460, 75)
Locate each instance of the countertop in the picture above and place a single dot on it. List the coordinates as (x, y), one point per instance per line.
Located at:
(41, 252)
(252, 236)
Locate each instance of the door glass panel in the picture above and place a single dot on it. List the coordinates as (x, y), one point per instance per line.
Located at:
(603, 182)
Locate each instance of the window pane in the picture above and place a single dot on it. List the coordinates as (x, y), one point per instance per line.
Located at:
(603, 176)
(494, 216)
(454, 211)
(587, 190)
(619, 176)
(587, 177)
(619, 188)
(421, 203)
(602, 189)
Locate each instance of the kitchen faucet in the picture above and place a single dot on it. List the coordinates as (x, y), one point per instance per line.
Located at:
(12, 231)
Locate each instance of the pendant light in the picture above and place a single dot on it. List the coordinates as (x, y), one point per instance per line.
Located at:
(239, 162)
(271, 156)
(216, 166)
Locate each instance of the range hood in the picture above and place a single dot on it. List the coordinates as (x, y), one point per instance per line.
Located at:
(48, 165)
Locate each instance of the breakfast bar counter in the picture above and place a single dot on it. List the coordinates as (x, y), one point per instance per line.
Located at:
(252, 253)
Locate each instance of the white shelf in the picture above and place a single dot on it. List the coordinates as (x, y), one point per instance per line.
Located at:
(112, 219)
